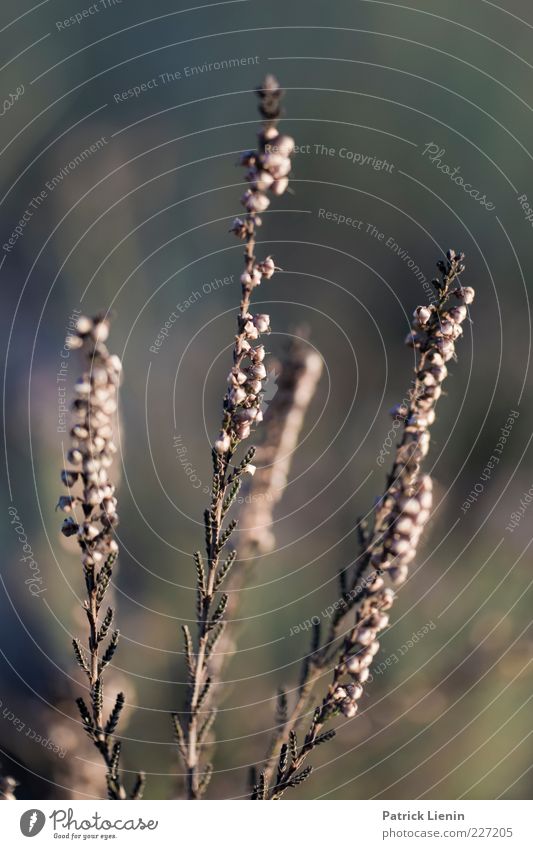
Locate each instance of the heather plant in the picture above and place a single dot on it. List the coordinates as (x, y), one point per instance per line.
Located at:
(91, 508)
(387, 548)
(388, 543)
(267, 170)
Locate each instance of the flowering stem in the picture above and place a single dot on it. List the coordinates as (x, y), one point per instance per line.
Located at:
(242, 410)
(92, 517)
(400, 518)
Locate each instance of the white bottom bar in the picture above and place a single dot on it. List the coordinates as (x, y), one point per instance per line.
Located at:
(196, 825)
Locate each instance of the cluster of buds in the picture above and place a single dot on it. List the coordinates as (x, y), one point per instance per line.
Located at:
(268, 166)
(92, 514)
(362, 646)
(407, 519)
(406, 505)
(267, 170)
(244, 396)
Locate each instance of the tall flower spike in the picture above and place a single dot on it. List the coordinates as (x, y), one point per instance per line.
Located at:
(91, 509)
(400, 517)
(241, 413)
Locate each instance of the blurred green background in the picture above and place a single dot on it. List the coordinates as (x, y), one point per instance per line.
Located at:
(139, 225)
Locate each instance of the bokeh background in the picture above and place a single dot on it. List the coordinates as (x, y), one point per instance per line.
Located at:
(136, 228)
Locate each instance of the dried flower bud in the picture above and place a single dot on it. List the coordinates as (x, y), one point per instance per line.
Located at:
(254, 387)
(283, 145)
(75, 456)
(69, 527)
(267, 267)
(237, 395)
(247, 157)
(243, 430)
(261, 180)
(251, 330)
(239, 228)
(467, 294)
(349, 708)
(387, 599)
(354, 691)
(279, 186)
(84, 325)
(255, 201)
(66, 503)
(100, 331)
(237, 377)
(339, 694)
(222, 443)
(458, 314)
(69, 478)
(262, 322)
(258, 354)
(257, 371)
(365, 636)
(422, 315)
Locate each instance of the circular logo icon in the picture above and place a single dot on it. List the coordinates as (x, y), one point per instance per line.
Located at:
(32, 822)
